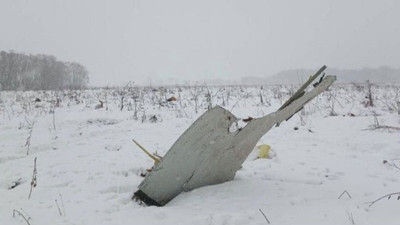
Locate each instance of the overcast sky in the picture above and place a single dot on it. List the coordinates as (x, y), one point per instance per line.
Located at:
(148, 41)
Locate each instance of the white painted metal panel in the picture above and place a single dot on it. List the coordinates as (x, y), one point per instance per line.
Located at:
(208, 153)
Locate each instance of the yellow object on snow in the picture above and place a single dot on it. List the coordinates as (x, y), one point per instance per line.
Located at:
(264, 151)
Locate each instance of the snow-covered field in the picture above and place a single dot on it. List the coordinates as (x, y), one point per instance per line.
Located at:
(88, 167)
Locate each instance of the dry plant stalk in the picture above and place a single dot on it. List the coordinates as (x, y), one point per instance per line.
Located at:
(28, 140)
(54, 118)
(58, 207)
(62, 204)
(34, 180)
(153, 157)
(388, 196)
(344, 192)
(22, 215)
(264, 216)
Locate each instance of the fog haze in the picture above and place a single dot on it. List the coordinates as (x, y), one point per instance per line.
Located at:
(168, 41)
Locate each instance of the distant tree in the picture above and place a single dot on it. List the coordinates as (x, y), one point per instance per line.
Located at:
(10, 63)
(77, 76)
(40, 72)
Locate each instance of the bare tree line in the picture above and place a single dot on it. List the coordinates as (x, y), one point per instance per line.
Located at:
(19, 71)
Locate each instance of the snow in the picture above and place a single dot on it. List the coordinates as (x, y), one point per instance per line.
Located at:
(91, 167)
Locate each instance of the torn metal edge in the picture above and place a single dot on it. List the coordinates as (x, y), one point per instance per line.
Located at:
(145, 198)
